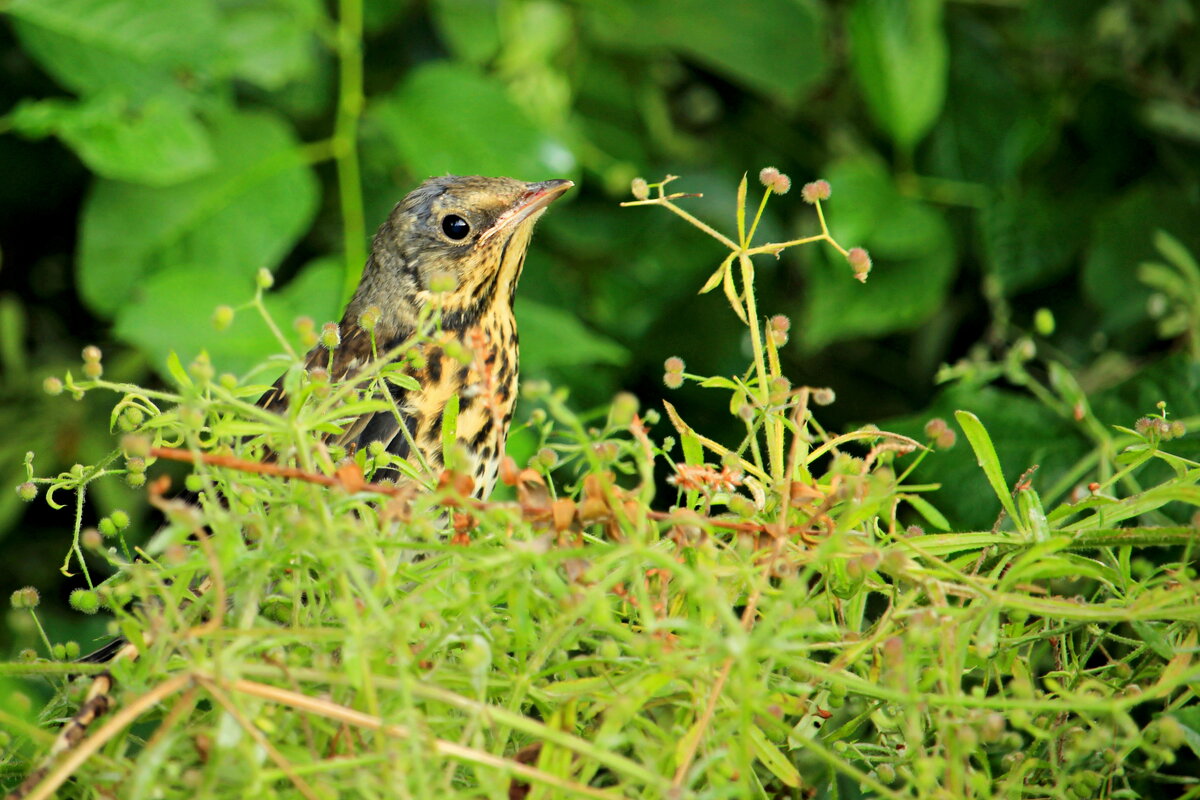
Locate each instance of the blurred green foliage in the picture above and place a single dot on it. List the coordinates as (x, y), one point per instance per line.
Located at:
(1000, 160)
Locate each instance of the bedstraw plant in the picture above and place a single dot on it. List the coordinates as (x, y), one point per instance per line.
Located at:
(787, 616)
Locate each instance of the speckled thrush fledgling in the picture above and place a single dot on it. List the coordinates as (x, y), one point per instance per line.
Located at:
(470, 233)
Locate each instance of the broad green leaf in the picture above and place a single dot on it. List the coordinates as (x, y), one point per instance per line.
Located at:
(774, 47)
(989, 462)
(1122, 237)
(158, 144)
(899, 54)
(551, 337)
(244, 214)
(966, 143)
(447, 118)
(910, 244)
(172, 314)
(1030, 237)
(136, 46)
(269, 46)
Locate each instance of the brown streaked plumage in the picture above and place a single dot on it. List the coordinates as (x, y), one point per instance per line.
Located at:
(476, 231)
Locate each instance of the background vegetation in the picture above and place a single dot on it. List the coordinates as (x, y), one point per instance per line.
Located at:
(1012, 168)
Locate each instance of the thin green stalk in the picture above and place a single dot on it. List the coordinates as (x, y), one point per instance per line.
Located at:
(345, 140)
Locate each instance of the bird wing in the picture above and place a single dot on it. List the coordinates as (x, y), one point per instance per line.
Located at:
(352, 354)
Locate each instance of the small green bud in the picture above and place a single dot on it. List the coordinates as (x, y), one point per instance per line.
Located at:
(72, 648)
(1043, 322)
(27, 655)
(264, 279)
(27, 491)
(376, 449)
(228, 380)
(120, 519)
(131, 418)
(742, 506)
(624, 408)
(135, 480)
(26, 597)
(1025, 349)
(370, 318)
(135, 445)
(135, 464)
(331, 336)
(193, 483)
(84, 600)
(222, 317)
(107, 527)
(202, 369)
(93, 369)
(52, 386)
(547, 458)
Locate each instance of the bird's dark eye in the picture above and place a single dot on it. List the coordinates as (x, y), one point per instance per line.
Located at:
(455, 227)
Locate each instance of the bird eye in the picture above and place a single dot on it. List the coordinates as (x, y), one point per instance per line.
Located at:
(455, 227)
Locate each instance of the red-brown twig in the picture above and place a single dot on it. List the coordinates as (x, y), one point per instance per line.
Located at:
(350, 478)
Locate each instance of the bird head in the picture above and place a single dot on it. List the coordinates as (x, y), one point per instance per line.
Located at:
(459, 241)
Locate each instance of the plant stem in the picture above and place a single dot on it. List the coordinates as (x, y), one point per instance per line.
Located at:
(345, 140)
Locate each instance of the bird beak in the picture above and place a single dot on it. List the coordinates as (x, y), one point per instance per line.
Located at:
(531, 202)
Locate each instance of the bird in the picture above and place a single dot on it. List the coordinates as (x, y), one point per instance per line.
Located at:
(475, 231)
(449, 256)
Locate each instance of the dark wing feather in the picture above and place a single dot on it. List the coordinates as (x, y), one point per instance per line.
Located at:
(351, 355)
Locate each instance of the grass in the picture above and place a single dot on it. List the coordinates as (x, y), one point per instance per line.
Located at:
(779, 628)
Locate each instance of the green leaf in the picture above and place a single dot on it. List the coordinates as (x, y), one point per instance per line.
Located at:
(1173, 118)
(1149, 633)
(450, 426)
(172, 314)
(481, 132)
(470, 28)
(1189, 718)
(551, 337)
(773, 758)
(244, 214)
(928, 511)
(774, 47)
(899, 55)
(1030, 237)
(158, 144)
(1122, 237)
(269, 46)
(135, 46)
(985, 454)
(909, 242)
